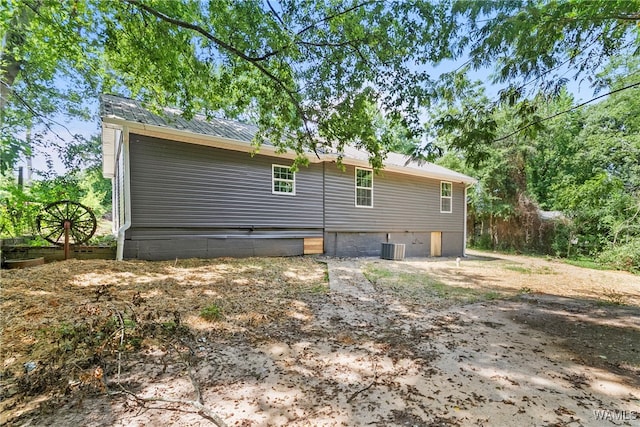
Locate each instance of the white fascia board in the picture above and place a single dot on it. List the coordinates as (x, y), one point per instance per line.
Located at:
(201, 139)
(453, 177)
(435, 175)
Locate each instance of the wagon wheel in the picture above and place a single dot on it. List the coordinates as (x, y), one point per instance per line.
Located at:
(65, 214)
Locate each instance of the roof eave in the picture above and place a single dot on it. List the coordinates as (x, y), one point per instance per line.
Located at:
(453, 177)
(200, 139)
(113, 122)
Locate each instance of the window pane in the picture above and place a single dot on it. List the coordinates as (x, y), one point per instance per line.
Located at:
(364, 178)
(282, 173)
(363, 197)
(446, 205)
(446, 189)
(283, 187)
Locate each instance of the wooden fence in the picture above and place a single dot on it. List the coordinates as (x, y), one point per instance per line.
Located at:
(56, 253)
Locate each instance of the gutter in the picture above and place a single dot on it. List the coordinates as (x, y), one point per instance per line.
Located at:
(127, 196)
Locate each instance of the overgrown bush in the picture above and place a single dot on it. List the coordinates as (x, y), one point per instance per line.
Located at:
(483, 242)
(560, 241)
(625, 256)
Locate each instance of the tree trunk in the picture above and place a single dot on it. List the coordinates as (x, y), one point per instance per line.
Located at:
(10, 67)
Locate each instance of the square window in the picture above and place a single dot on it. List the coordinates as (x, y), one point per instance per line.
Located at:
(283, 180)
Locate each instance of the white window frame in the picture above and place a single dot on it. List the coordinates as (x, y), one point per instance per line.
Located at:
(274, 179)
(449, 197)
(357, 187)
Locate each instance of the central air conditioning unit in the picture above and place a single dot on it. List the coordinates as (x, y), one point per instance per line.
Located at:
(393, 251)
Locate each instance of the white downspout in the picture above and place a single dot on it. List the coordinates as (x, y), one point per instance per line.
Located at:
(114, 207)
(127, 196)
(464, 225)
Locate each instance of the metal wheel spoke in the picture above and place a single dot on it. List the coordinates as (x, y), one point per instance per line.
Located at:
(53, 214)
(73, 214)
(83, 221)
(55, 230)
(81, 235)
(75, 236)
(61, 214)
(85, 230)
(60, 235)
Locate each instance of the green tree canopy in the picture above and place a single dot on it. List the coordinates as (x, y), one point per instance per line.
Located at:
(584, 163)
(309, 73)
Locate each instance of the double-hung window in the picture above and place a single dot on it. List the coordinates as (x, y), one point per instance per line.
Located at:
(283, 180)
(445, 197)
(364, 188)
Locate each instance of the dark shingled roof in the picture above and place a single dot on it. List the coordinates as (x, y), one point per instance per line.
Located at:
(118, 107)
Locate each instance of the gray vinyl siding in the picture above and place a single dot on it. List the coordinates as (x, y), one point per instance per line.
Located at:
(401, 203)
(180, 189)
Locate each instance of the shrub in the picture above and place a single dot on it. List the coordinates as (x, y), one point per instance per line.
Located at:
(484, 242)
(625, 256)
(561, 236)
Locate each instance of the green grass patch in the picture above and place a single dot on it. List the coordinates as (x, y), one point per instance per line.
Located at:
(491, 295)
(319, 289)
(585, 262)
(211, 313)
(518, 268)
(418, 286)
(527, 270)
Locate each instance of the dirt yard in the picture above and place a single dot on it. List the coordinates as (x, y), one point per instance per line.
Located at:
(492, 340)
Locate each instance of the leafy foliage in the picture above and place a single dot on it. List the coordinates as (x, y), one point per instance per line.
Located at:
(584, 164)
(20, 206)
(624, 256)
(534, 49)
(43, 44)
(309, 73)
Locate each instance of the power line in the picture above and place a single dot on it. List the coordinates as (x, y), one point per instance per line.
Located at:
(502, 138)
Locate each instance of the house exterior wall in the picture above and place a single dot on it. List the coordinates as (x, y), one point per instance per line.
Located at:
(190, 200)
(406, 209)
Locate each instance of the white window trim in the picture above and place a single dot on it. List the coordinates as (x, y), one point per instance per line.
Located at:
(273, 180)
(450, 197)
(355, 176)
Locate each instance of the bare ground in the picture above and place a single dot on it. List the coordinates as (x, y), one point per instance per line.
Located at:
(495, 340)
